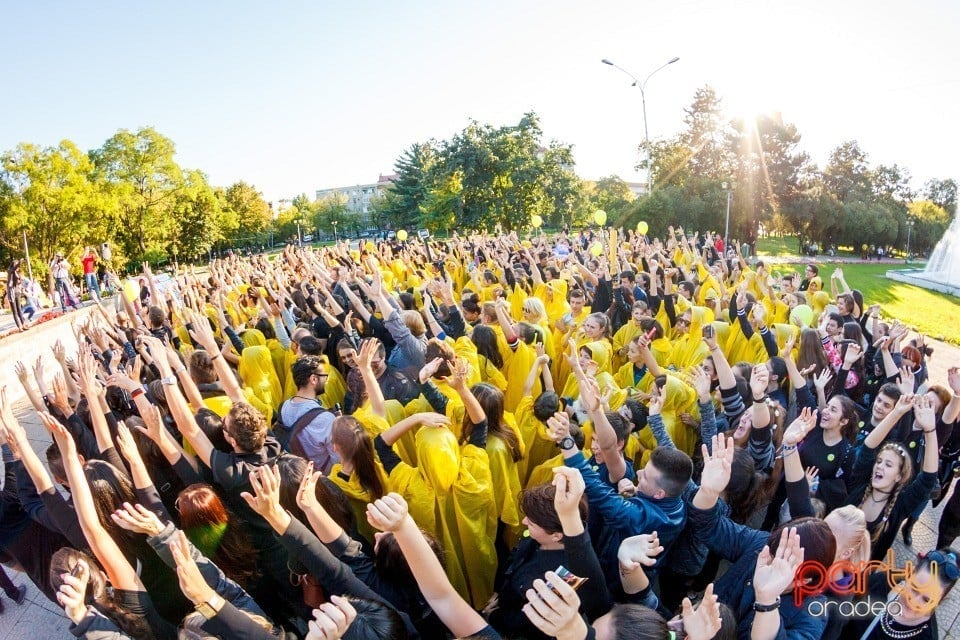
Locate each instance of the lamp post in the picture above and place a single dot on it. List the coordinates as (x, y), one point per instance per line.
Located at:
(643, 98)
(726, 228)
(336, 238)
(910, 224)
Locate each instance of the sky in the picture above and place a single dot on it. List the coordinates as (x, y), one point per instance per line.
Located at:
(297, 96)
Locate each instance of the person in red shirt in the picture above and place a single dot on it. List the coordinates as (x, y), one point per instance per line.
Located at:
(89, 261)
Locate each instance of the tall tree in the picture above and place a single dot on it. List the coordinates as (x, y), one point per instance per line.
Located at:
(410, 189)
(250, 215)
(847, 171)
(199, 216)
(942, 193)
(51, 193)
(705, 136)
(146, 180)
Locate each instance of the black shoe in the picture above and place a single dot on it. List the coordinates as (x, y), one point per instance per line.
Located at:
(908, 532)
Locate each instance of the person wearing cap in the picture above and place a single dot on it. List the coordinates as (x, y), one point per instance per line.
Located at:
(60, 269)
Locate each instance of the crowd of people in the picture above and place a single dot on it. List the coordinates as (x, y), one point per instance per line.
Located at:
(485, 437)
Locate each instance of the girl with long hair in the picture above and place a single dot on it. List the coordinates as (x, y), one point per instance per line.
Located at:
(215, 531)
(489, 356)
(359, 473)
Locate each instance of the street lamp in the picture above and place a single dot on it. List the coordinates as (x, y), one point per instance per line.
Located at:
(643, 97)
(336, 238)
(726, 229)
(910, 224)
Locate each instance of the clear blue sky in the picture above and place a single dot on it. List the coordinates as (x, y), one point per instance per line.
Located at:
(298, 96)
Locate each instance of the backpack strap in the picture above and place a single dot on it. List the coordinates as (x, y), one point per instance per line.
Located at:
(293, 444)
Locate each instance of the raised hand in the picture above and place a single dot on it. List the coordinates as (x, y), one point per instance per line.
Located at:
(388, 513)
(953, 379)
(553, 606)
(639, 551)
(906, 383)
(307, 493)
(700, 380)
(811, 474)
(137, 518)
(822, 379)
(72, 594)
(717, 466)
(127, 445)
(430, 369)
(192, 583)
(924, 414)
(431, 419)
(852, 355)
(61, 397)
(332, 619)
(775, 572)
(759, 380)
(558, 426)
(702, 623)
(265, 499)
(367, 352)
(800, 427)
(21, 371)
(569, 490)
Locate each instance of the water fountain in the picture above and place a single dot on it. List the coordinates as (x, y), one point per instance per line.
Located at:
(942, 272)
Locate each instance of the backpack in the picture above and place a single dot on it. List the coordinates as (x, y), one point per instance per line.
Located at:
(288, 437)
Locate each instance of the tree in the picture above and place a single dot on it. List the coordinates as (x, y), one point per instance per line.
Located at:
(942, 193)
(145, 179)
(613, 195)
(847, 171)
(332, 209)
(51, 193)
(769, 169)
(705, 136)
(931, 221)
(248, 215)
(408, 192)
(199, 215)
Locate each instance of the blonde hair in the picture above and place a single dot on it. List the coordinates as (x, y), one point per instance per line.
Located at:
(855, 523)
(414, 321)
(535, 306)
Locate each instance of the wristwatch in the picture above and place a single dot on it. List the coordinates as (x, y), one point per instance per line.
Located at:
(210, 608)
(169, 380)
(567, 443)
(764, 608)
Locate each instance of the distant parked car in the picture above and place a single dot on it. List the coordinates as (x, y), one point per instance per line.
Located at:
(308, 237)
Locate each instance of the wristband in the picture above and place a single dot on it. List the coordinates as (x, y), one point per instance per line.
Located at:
(181, 370)
(169, 380)
(763, 398)
(765, 608)
(136, 393)
(215, 356)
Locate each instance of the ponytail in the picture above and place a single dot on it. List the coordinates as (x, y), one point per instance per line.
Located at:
(356, 446)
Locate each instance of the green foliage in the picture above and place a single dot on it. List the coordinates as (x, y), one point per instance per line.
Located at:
(329, 210)
(244, 213)
(483, 177)
(50, 193)
(141, 173)
(930, 223)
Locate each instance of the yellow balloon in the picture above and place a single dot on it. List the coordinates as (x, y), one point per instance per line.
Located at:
(600, 217)
(402, 235)
(596, 249)
(642, 227)
(536, 221)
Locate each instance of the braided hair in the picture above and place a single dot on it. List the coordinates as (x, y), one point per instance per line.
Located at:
(906, 473)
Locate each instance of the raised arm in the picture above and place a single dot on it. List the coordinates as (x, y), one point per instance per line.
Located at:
(202, 334)
(390, 513)
(876, 437)
(368, 350)
(119, 571)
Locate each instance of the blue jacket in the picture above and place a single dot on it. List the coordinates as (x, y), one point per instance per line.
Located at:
(625, 517)
(741, 545)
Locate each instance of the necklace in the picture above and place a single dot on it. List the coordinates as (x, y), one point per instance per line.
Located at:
(880, 501)
(304, 397)
(885, 623)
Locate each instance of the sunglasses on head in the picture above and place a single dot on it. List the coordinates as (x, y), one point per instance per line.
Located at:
(946, 562)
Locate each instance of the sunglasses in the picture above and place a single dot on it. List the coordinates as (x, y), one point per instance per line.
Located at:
(947, 562)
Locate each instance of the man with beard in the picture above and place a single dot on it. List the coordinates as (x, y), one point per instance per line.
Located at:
(306, 422)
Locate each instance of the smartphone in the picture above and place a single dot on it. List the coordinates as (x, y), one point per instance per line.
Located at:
(708, 331)
(650, 334)
(574, 581)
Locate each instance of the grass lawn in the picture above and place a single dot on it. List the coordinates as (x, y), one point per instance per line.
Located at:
(934, 314)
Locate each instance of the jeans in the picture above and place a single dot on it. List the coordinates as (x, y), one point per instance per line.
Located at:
(93, 286)
(63, 288)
